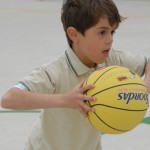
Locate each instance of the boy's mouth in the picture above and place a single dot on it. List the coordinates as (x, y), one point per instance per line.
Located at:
(106, 52)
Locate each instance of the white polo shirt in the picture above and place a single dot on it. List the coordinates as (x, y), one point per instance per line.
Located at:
(64, 128)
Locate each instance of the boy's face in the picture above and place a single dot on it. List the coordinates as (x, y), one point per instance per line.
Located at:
(94, 47)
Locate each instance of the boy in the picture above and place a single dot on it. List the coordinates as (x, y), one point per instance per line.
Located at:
(56, 87)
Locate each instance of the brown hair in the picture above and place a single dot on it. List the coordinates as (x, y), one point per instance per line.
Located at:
(83, 14)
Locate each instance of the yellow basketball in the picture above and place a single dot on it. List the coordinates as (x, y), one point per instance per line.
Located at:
(121, 99)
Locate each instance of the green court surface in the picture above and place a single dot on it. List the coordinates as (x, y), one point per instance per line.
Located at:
(146, 120)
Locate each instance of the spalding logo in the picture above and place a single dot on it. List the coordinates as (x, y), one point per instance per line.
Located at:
(133, 96)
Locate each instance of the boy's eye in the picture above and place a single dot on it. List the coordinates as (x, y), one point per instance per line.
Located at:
(113, 32)
(102, 32)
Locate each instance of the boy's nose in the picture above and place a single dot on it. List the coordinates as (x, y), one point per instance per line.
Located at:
(109, 40)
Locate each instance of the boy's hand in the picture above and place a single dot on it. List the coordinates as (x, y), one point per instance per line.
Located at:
(147, 75)
(76, 97)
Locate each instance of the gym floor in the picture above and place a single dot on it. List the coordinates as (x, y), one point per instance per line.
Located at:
(31, 34)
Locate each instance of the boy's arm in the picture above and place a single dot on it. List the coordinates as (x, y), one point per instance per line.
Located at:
(147, 75)
(19, 99)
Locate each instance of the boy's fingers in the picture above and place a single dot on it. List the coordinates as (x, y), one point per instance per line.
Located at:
(86, 88)
(86, 107)
(81, 83)
(88, 98)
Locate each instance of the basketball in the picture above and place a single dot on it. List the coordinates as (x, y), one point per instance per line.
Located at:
(121, 99)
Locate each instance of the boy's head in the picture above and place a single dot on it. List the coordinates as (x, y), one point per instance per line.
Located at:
(83, 14)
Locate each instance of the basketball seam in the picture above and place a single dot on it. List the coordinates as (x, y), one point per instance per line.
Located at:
(98, 77)
(103, 74)
(107, 124)
(119, 108)
(116, 86)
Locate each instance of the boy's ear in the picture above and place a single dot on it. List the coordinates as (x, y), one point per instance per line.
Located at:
(73, 34)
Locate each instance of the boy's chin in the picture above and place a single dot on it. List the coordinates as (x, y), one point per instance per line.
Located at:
(102, 61)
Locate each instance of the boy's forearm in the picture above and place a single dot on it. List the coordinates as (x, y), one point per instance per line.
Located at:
(147, 84)
(24, 100)
(147, 75)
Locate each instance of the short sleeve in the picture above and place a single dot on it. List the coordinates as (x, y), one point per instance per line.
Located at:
(39, 81)
(134, 61)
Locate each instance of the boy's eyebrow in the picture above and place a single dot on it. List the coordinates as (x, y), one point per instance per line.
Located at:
(106, 28)
(103, 28)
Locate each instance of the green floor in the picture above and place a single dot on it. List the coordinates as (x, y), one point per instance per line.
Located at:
(146, 120)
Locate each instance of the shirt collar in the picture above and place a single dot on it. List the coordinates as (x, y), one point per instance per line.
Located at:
(75, 63)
